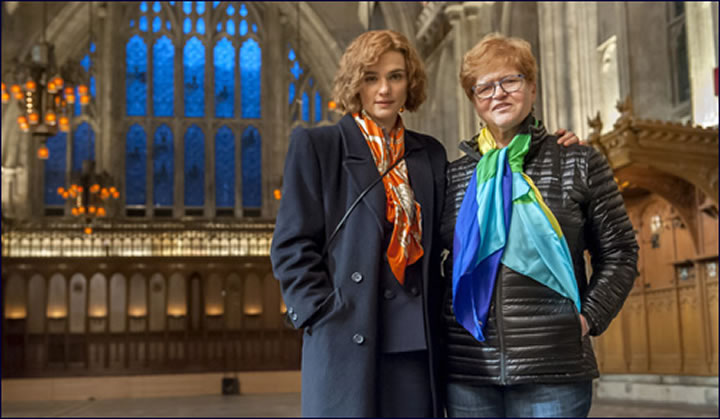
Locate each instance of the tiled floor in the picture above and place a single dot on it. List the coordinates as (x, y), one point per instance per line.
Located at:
(274, 405)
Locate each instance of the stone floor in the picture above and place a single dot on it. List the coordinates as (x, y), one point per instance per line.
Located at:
(272, 405)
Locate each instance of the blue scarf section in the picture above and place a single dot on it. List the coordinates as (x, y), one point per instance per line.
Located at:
(503, 220)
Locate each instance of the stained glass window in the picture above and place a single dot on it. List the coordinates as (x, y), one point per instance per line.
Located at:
(254, 28)
(200, 26)
(296, 70)
(163, 168)
(291, 55)
(251, 168)
(83, 145)
(305, 107)
(187, 7)
(250, 67)
(55, 168)
(194, 166)
(230, 10)
(200, 7)
(318, 107)
(85, 62)
(224, 168)
(243, 10)
(135, 76)
(92, 86)
(243, 28)
(187, 25)
(157, 24)
(167, 25)
(156, 7)
(230, 27)
(224, 56)
(194, 66)
(143, 24)
(291, 93)
(135, 165)
(163, 77)
(143, 6)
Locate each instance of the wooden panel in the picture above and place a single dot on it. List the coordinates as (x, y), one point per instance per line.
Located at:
(636, 325)
(659, 248)
(709, 226)
(712, 300)
(611, 347)
(664, 332)
(693, 345)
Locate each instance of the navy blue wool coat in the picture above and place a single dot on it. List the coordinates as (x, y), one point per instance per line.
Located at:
(336, 298)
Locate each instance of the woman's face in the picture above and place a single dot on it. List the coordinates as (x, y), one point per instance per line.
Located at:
(384, 89)
(504, 111)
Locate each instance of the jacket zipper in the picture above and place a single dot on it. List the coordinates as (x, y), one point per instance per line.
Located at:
(498, 320)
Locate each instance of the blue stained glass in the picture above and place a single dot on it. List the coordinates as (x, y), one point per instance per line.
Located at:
(224, 57)
(254, 28)
(156, 7)
(92, 47)
(305, 107)
(318, 107)
(92, 86)
(85, 62)
(132, 23)
(143, 25)
(200, 7)
(216, 4)
(135, 166)
(230, 27)
(250, 67)
(172, 3)
(163, 77)
(201, 26)
(187, 7)
(157, 24)
(251, 168)
(143, 6)
(55, 168)
(83, 140)
(194, 167)
(311, 81)
(291, 55)
(194, 66)
(291, 93)
(243, 10)
(230, 10)
(296, 70)
(243, 28)
(77, 106)
(163, 167)
(224, 168)
(187, 25)
(167, 25)
(135, 77)
(219, 27)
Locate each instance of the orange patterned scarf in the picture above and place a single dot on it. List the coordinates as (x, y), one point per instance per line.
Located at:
(402, 210)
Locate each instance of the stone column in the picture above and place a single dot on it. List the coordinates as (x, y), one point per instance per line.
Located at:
(456, 17)
(568, 61)
(702, 60)
(275, 109)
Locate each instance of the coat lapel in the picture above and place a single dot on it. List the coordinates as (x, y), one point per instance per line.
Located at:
(361, 168)
(422, 183)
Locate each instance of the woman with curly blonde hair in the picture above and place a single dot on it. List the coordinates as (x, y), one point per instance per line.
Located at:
(362, 291)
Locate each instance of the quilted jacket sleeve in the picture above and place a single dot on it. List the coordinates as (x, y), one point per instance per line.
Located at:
(612, 244)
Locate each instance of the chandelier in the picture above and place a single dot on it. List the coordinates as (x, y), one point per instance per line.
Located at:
(42, 91)
(89, 194)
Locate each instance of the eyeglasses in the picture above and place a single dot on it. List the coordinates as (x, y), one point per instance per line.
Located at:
(509, 84)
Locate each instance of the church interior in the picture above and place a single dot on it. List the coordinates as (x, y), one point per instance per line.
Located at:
(142, 161)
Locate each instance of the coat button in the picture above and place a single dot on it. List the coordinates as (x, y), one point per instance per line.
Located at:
(389, 294)
(356, 277)
(358, 338)
(415, 291)
(294, 316)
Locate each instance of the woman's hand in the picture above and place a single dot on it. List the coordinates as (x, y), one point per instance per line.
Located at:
(584, 324)
(567, 137)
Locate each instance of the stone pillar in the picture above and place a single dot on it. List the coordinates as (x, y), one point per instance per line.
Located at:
(702, 60)
(568, 61)
(275, 139)
(456, 17)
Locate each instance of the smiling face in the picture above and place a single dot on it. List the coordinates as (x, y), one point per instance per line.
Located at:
(383, 90)
(504, 112)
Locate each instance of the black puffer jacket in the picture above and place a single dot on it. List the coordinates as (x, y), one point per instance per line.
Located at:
(533, 334)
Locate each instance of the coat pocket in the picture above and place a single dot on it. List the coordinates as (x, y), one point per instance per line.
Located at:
(326, 310)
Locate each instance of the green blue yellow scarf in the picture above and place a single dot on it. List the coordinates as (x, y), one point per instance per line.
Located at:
(503, 219)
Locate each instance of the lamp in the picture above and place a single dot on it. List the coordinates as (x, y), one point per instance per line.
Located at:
(41, 91)
(89, 193)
